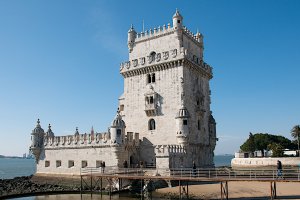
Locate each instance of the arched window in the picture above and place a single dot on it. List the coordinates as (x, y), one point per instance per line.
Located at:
(151, 124)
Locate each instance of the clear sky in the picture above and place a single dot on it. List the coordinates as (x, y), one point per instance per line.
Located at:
(59, 61)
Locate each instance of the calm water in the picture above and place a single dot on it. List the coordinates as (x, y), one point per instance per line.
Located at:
(10, 168)
(13, 167)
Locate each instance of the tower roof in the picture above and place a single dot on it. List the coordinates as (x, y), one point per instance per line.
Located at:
(38, 128)
(177, 14)
(49, 132)
(118, 122)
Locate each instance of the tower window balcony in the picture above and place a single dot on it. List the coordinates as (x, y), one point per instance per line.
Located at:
(150, 105)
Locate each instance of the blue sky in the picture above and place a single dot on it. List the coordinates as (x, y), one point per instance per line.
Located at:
(59, 61)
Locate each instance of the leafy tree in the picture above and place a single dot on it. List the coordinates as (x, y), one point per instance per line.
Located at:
(277, 149)
(295, 132)
(262, 140)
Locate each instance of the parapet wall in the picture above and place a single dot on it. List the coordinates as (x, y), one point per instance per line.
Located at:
(264, 162)
(85, 140)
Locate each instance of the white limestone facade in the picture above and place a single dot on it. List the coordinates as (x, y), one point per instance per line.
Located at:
(164, 117)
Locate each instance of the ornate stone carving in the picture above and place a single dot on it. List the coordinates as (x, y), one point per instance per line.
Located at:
(135, 62)
(127, 64)
(150, 59)
(142, 60)
(166, 55)
(174, 53)
(158, 57)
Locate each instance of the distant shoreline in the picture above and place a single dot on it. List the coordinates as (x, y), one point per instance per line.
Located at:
(15, 157)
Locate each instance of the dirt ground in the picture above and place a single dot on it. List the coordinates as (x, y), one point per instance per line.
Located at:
(238, 190)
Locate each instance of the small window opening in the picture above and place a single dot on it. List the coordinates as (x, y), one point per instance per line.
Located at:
(151, 124)
(84, 164)
(47, 163)
(71, 163)
(198, 102)
(58, 163)
(178, 21)
(153, 78)
(148, 78)
(98, 163)
(119, 132)
(185, 122)
(122, 107)
(151, 100)
(199, 125)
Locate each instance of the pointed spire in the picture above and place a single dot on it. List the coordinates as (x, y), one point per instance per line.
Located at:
(92, 130)
(76, 132)
(38, 123)
(177, 14)
(131, 29)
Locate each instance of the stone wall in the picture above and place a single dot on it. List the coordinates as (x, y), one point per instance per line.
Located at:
(264, 162)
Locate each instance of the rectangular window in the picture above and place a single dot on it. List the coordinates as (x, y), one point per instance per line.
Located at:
(151, 100)
(58, 163)
(121, 107)
(47, 163)
(153, 78)
(84, 164)
(184, 122)
(199, 125)
(71, 163)
(98, 163)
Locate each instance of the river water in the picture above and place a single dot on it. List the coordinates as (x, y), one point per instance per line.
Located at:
(10, 168)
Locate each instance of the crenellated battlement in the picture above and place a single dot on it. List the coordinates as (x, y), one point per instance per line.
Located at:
(87, 140)
(166, 150)
(155, 32)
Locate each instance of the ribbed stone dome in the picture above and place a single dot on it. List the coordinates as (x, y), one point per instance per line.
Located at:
(38, 129)
(49, 133)
(183, 113)
(118, 122)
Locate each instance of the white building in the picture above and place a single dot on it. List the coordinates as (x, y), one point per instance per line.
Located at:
(164, 116)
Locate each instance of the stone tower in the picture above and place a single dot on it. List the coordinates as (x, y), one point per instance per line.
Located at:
(166, 97)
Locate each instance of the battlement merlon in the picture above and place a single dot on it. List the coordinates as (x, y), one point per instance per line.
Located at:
(162, 37)
(99, 140)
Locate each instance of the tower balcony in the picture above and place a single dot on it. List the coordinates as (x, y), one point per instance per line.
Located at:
(150, 109)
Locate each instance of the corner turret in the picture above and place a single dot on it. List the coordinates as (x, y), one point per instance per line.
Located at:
(49, 132)
(182, 120)
(37, 141)
(131, 38)
(117, 129)
(177, 20)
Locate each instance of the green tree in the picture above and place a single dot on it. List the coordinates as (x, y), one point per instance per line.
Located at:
(277, 149)
(262, 140)
(295, 132)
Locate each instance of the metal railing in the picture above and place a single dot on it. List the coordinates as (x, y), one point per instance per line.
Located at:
(205, 173)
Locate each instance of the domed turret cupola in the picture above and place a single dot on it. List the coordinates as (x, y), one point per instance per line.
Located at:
(117, 129)
(49, 132)
(131, 38)
(182, 120)
(177, 20)
(37, 141)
